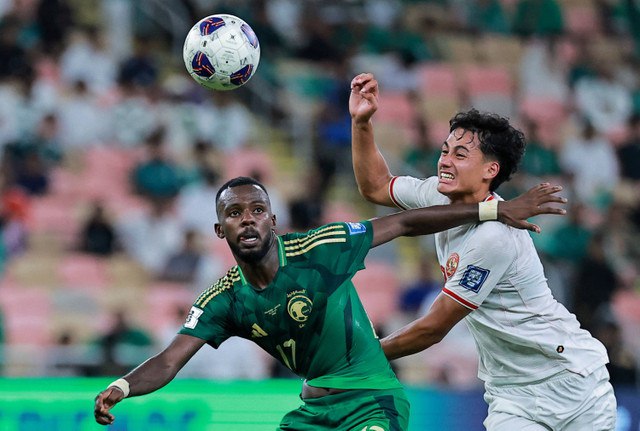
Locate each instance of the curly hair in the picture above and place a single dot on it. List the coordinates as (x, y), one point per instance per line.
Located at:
(498, 140)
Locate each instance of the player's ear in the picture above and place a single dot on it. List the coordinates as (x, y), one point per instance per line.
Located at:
(218, 230)
(492, 169)
(273, 220)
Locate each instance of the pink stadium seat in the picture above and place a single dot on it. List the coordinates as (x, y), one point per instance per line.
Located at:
(395, 108)
(83, 271)
(221, 252)
(438, 79)
(378, 287)
(582, 20)
(487, 80)
(339, 212)
(54, 214)
(27, 314)
(164, 300)
(246, 161)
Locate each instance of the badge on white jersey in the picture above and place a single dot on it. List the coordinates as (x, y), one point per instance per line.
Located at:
(192, 318)
(474, 277)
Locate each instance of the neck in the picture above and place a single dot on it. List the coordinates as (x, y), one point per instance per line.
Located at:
(471, 198)
(262, 272)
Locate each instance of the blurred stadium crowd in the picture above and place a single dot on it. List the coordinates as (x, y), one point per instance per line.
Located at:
(111, 157)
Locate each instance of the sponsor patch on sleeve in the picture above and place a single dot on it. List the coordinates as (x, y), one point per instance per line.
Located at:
(356, 228)
(474, 277)
(192, 318)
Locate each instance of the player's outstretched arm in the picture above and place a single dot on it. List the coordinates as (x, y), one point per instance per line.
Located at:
(369, 166)
(151, 375)
(424, 221)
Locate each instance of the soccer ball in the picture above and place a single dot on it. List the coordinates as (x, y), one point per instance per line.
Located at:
(221, 52)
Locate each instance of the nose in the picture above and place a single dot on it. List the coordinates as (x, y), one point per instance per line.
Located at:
(247, 217)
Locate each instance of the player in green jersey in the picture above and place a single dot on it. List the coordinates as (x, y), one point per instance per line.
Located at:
(293, 296)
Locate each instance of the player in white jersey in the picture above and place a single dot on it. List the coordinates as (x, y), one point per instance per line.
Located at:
(541, 370)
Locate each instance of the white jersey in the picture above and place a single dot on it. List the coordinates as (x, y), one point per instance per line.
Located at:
(522, 333)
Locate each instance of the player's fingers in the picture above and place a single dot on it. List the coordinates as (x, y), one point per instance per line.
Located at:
(531, 227)
(361, 79)
(546, 199)
(551, 210)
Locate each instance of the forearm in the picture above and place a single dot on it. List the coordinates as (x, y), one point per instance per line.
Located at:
(369, 166)
(408, 340)
(151, 375)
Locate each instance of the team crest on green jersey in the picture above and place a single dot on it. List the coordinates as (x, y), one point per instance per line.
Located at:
(299, 306)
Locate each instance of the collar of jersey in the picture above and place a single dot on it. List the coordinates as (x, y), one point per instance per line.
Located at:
(282, 259)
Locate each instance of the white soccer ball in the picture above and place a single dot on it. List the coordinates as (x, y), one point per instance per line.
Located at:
(221, 52)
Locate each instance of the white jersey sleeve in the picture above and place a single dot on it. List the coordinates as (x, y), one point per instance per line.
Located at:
(410, 192)
(480, 266)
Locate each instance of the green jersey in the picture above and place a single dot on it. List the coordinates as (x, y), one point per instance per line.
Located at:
(309, 317)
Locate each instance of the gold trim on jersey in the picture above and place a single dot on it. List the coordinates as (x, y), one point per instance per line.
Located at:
(219, 286)
(298, 246)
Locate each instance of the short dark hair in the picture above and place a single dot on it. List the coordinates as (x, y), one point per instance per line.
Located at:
(498, 139)
(239, 181)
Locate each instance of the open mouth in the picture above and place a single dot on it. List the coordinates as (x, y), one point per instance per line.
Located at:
(248, 238)
(446, 176)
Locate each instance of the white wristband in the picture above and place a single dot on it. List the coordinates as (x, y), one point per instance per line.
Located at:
(488, 210)
(121, 384)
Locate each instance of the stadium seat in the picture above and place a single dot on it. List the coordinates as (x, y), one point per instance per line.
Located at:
(487, 80)
(27, 315)
(582, 20)
(83, 271)
(395, 107)
(378, 287)
(437, 79)
(164, 300)
(247, 161)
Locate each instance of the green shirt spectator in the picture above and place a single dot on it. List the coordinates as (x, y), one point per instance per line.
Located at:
(538, 17)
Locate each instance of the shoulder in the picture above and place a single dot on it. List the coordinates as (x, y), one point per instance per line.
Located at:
(493, 237)
(224, 285)
(411, 192)
(323, 237)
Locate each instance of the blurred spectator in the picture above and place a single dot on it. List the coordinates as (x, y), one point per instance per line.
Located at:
(141, 69)
(13, 57)
(14, 215)
(87, 48)
(421, 158)
(82, 121)
(122, 346)
(484, 16)
(196, 206)
(98, 234)
(569, 241)
(159, 227)
(191, 264)
(33, 176)
(540, 160)
(622, 243)
(54, 19)
(594, 284)
(538, 18)
(224, 121)
(629, 152)
(425, 286)
(622, 364)
(592, 161)
(543, 71)
(157, 177)
(306, 211)
(604, 101)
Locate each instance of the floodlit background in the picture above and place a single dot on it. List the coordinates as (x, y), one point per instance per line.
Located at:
(111, 156)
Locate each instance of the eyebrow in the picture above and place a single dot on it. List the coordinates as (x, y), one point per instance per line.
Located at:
(456, 147)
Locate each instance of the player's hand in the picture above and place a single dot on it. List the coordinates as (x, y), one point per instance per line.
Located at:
(515, 212)
(363, 102)
(104, 402)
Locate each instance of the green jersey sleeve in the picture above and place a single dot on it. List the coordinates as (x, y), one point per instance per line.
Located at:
(209, 317)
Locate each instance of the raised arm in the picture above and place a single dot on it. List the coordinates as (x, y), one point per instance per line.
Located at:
(515, 212)
(370, 168)
(151, 375)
